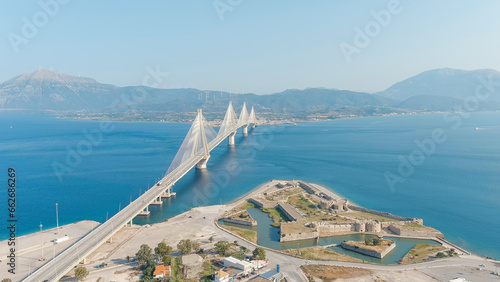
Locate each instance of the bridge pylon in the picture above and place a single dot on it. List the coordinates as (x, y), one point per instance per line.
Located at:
(195, 143)
(252, 120)
(243, 121)
(229, 124)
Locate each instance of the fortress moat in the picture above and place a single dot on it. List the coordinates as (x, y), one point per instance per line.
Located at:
(307, 214)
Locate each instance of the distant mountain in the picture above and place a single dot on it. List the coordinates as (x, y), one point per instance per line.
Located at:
(49, 90)
(45, 90)
(452, 83)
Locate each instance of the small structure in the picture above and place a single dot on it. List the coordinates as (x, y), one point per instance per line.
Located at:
(272, 275)
(245, 267)
(373, 226)
(162, 271)
(290, 212)
(338, 205)
(221, 276)
(359, 226)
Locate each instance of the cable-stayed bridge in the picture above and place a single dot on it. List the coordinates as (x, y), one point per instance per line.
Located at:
(194, 151)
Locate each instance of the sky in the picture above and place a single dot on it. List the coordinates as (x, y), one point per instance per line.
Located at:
(253, 46)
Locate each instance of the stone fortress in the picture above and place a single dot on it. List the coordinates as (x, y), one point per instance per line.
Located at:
(322, 213)
(332, 204)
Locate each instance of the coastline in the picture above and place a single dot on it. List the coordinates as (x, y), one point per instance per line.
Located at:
(200, 224)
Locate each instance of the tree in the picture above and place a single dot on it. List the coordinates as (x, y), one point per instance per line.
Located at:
(440, 255)
(128, 258)
(259, 253)
(235, 243)
(6, 280)
(243, 249)
(81, 273)
(376, 241)
(196, 246)
(221, 247)
(167, 260)
(185, 246)
(163, 250)
(369, 242)
(211, 239)
(144, 254)
(200, 251)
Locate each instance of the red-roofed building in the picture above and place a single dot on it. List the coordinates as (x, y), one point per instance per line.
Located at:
(162, 271)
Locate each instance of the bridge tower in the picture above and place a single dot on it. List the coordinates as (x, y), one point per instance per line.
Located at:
(252, 119)
(229, 124)
(206, 153)
(195, 143)
(243, 121)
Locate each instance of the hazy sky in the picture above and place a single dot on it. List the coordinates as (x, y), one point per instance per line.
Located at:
(249, 45)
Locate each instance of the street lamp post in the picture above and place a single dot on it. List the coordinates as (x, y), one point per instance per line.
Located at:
(57, 219)
(41, 238)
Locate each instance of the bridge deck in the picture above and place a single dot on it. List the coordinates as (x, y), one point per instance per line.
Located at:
(58, 266)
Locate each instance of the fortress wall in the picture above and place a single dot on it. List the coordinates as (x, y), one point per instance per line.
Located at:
(386, 214)
(369, 252)
(415, 233)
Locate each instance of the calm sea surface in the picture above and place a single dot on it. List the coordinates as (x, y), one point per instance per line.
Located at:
(455, 189)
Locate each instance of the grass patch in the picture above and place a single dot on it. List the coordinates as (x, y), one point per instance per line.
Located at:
(277, 216)
(244, 207)
(384, 244)
(249, 235)
(242, 215)
(331, 273)
(208, 269)
(365, 215)
(421, 253)
(296, 227)
(320, 253)
(413, 224)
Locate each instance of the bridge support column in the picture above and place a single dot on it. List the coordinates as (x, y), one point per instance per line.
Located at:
(254, 125)
(203, 163)
(245, 129)
(130, 223)
(231, 138)
(157, 201)
(110, 240)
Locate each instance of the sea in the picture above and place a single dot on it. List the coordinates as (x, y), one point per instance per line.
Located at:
(443, 168)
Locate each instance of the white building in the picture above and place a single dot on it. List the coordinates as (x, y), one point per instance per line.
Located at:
(243, 265)
(221, 276)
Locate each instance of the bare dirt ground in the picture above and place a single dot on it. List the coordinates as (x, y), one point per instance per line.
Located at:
(340, 273)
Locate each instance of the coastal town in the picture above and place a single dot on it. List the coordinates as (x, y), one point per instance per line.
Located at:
(220, 243)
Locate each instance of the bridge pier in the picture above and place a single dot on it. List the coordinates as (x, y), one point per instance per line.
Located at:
(145, 212)
(231, 138)
(245, 129)
(254, 125)
(130, 223)
(203, 163)
(168, 193)
(157, 201)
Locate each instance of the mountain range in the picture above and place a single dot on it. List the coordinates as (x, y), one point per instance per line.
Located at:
(434, 90)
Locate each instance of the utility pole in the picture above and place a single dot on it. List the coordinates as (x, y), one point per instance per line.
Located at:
(41, 240)
(57, 219)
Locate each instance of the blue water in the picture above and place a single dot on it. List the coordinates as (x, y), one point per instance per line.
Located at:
(456, 189)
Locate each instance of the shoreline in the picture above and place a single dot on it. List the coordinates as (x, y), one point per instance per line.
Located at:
(201, 223)
(57, 115)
